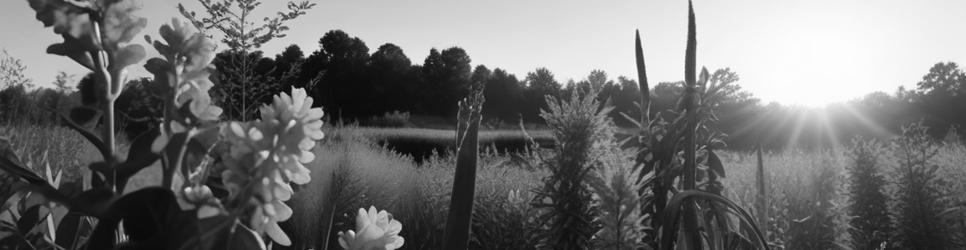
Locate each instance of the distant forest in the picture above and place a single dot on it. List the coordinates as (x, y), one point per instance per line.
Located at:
(354, 85)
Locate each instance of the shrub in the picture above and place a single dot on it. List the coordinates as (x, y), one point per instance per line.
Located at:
(581, 130)
(919, 193)
(868, 202)
(393, 119)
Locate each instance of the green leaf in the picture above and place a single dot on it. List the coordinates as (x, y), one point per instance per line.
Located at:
(10, 163)
(84, 116)
(671, 214)
(31, 218)
(87, 134)
(94, 202)
(152, 220)
(714, 163)
(139, 156)
(690, 54)
(72, 229)
(72, 51)
(642, 74)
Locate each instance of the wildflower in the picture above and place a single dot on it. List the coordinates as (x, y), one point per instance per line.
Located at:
(187, 57)
(71, 20)
(375, 231)
(266, 155)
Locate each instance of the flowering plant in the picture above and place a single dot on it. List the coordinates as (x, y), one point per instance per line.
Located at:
(257, 161)
(374, 230)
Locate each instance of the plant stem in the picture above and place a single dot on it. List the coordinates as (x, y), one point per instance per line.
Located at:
(692, 236)
(103, 78)
(762, 198)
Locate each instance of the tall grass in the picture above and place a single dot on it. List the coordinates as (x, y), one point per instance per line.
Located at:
(364, 173)
(59, 147)
(806, 196)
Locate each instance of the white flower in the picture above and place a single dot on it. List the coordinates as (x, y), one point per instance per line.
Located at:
(264, 157)
(375, 231)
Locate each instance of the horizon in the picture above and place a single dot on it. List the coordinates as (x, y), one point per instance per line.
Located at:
(792, 53)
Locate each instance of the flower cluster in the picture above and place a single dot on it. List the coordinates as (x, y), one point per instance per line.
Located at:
(185, 71)
(266, 155)
(374, 230)
(73, 21)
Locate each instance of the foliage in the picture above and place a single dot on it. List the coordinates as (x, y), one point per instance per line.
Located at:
(581, 130)
(240, 86)
(615, 185)
(249, 164)
(679, 183)
(868, 204)
(140, 106)
(395, 119)
(231, 18)
(39, 106)
(818, 215)
(920, 196)
(11, 71)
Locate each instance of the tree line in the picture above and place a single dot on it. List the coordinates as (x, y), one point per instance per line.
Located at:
(353, 84)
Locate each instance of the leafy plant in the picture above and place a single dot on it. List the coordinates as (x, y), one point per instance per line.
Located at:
(11, 71)
(680, 169)
(223, 184)
(615, 186)
(920, 197)
(581, 130)
(871, 226)
(233, 19)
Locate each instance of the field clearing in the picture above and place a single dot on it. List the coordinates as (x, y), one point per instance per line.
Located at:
(353, 169)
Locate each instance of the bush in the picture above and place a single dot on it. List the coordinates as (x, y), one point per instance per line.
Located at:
(393, 119)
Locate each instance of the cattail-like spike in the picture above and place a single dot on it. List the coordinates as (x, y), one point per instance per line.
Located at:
(692, 236)
(642, 79)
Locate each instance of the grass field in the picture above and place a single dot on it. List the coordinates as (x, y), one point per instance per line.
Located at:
(358, 167)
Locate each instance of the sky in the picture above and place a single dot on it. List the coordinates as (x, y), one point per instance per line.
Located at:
(797, 52)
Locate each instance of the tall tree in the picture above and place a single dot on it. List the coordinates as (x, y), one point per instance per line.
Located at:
(389, 69)
(504, 96)
(343, 87)
(940, 96)
(540, 83)
(456, 81)
(288, 64)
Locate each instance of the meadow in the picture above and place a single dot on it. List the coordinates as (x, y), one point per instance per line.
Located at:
(179, 162)
(807, 190)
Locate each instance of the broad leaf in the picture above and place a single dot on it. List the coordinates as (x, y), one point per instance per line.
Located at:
(139, 156)
(714, 164)
(152, 220)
